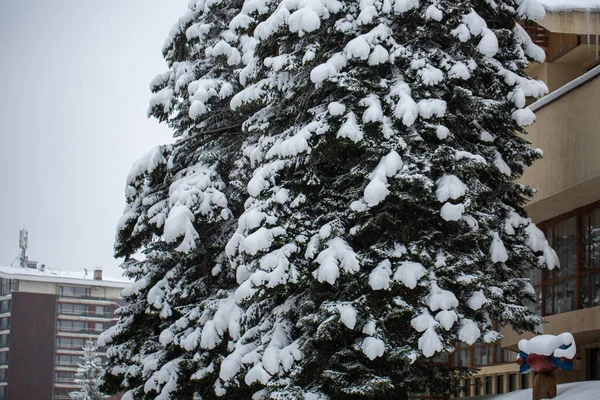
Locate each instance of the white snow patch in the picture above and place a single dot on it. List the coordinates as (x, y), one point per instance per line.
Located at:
(380, 276)
(497, 250)
(335, 108)
(373, 347)
(347, 315)
(432, 108)
(452, 212)
(469, 331)
(409, 273)
(337, 254)
(449, 187)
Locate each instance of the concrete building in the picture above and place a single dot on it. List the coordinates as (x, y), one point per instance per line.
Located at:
(45, 318)
(566, 206)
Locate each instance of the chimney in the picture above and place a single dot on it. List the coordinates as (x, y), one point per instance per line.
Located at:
(98, 273)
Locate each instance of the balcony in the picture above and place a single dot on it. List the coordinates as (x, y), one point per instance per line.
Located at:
(89, 331)
(566, 129)
(88, 314)
(81, 296)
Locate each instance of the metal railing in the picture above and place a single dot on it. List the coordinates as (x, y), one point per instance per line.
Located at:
(105, 314)
(80, 330)
(85, 297)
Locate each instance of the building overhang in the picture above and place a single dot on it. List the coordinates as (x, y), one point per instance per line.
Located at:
(581, 17)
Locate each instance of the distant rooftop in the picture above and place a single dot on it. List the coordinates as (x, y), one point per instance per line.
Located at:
(61, 276)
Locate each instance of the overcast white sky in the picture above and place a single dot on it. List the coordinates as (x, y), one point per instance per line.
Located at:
(73, 104)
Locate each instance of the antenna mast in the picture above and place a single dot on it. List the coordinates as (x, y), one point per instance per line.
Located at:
(22, 257)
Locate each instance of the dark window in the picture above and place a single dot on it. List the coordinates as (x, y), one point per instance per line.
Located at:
(4, 323)
(575, 237)
(524, 381)
(499, 384)
(7, 286)
(595, 364)
(512, 382)
(3, 340)
(477, 386)
(3, 357)
(467, 387)
(488, 385)
(4, 306)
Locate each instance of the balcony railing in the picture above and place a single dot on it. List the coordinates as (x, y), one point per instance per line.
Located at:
(64, 380)
(106, 314)
(81, 330)
(67, 364)
(84, 297)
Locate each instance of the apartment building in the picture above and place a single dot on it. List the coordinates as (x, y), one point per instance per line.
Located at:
(45, 318)
(566, 206)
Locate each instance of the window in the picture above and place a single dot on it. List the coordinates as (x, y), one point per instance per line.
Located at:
(3, 357)
(509, 355)
(488, 385)
(74, 291)
(481, 355)
(595, 364)
(467, 387)
(3, 340)
(576, 284)
(69, 343)
(66, 308)
(67, 359)
(499, 384)
(63, 376)
(7, 286)
(4, 323)
(512, 382)
(99, 309)
(477, 355)
(524, 381)
(4, 306)
(3, 375)
(72, 326)
(99, 326)
(477, 386)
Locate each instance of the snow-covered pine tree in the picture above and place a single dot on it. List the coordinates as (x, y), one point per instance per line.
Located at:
(384, 223)
(183, 201)
(89, 373)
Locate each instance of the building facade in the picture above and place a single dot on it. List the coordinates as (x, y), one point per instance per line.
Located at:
(566, 206)
(45, 318)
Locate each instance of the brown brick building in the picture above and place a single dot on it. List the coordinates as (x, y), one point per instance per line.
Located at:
(45, 318)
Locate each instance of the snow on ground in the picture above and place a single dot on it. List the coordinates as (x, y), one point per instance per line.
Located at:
(567, 391)
(570, 5)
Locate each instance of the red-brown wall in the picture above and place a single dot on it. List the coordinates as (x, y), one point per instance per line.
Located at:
(31, 346)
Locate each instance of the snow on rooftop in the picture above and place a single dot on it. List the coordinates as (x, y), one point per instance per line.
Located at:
(570, 5)
(567, 391)
(57, 275)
